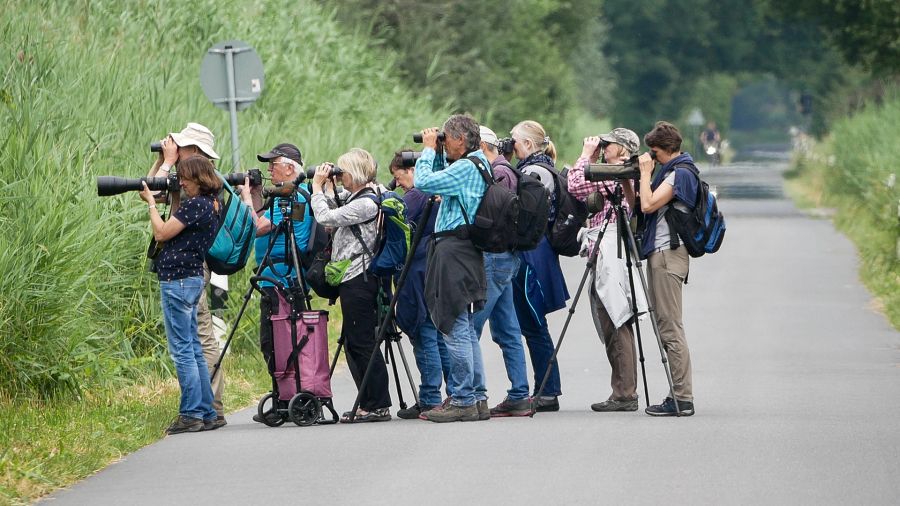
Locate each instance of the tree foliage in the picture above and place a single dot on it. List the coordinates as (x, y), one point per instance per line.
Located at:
(502, 61)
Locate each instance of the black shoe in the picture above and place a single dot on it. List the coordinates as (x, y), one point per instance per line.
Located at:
(615, 405)
(376, 415)
(413, 412)
(185, 424)
(214, 423)
(546, 403)
(484, 412)
(667, 408)
(272, 417)
(521, 407)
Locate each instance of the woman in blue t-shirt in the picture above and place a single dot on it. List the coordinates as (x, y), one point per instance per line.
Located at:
(187, 234)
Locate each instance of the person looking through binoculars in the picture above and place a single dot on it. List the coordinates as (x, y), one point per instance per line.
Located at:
(539, 285)
(673, 184)
(188, 233)
(355, 232)
(610, 296)
(285, 165)
(455, 285)
(194, 140)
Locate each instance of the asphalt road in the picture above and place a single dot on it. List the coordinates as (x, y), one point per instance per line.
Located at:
(796, 383)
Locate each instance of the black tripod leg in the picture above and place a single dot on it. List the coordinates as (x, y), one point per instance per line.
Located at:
(634, 313)
(389, 352)
(337, 353)
(409, 376)
(592, 259)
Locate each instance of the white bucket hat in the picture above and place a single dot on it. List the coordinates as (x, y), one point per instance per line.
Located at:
(195, 134)
(488, 136)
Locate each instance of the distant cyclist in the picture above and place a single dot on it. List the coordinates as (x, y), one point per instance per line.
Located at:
(710, 140)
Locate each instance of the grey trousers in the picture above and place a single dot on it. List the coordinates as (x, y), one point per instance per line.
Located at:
(210, 345)
(666, 271)
(619, 350)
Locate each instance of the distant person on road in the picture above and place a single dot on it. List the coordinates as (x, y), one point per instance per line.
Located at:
(673, 184)
(710, 135)
(188, 234)
(610, 303)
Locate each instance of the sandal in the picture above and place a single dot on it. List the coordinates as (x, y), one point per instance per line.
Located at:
(378, 415)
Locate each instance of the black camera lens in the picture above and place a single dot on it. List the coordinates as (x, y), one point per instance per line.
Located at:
(156, 147)
(112, 185)
(417, 138)
(335, 172)
(408, 158)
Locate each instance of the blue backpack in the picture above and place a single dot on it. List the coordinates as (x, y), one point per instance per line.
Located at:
(234, 236)
(701, 229)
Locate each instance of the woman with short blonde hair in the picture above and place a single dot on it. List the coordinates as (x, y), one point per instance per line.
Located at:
(355, 235)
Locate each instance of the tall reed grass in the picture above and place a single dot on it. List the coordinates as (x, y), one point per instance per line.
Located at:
(86, 84)
(856, 172)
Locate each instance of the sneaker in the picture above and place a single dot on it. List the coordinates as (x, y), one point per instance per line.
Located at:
(214, 423)
(452, 413)
(546, 403)
(444, 404)
(185, 424)
(413, 412)
(521, 407)
(667, 408)
(484, 412)
(615, 405)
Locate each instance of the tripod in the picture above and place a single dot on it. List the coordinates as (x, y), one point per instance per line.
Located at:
(387, 329)
(285, 227)
(631, 252)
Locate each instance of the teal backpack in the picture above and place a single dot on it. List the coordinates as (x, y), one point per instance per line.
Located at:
(234, 236)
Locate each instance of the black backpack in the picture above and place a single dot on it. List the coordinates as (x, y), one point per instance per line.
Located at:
(701, 229)
(534, 207)
(571, 213)
(495, 228)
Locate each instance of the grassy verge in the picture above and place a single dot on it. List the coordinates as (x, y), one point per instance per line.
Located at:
(854, 172)
(53, 443)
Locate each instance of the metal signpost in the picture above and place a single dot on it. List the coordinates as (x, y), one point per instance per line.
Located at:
(231, 75)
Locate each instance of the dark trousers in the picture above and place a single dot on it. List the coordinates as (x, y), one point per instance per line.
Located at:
(358, 304)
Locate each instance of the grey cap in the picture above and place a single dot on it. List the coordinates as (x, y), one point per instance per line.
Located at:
(624, 137)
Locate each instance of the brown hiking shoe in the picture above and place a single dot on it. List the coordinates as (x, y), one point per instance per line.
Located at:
(452, 413)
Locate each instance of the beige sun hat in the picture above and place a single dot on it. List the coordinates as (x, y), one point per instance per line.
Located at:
(195, 134)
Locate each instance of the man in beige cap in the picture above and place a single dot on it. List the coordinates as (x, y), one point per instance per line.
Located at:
(195, 139)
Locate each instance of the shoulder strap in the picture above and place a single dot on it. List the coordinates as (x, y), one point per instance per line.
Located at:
(485, 174)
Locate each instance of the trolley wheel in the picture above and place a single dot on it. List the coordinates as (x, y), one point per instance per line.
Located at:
(269, 413)
(304, 409)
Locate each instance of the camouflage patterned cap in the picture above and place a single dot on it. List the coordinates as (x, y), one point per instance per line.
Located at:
(623, 137)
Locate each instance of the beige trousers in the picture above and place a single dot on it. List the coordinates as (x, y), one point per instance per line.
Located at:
(666, 271)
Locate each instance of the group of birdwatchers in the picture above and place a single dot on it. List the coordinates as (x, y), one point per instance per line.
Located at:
(453, 288)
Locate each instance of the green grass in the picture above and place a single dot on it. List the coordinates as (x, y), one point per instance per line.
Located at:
(850, 172)
(51, 443)
(85, 85)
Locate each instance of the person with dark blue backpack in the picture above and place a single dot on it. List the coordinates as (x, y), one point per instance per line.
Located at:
(673, 187)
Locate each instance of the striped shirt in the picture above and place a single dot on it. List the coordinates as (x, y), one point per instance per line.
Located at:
(459, 185)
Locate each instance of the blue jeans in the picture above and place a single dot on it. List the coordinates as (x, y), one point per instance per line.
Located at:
(179, 305)
(433, 362)
(466, 364)
(500, 269)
